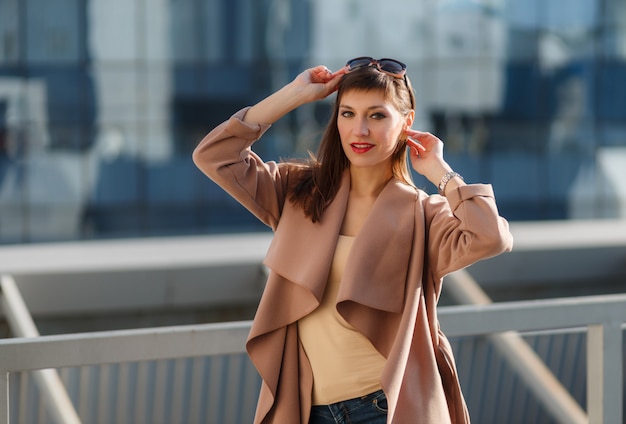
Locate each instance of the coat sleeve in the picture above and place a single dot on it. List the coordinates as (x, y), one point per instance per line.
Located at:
(226, 157)
(463, 228)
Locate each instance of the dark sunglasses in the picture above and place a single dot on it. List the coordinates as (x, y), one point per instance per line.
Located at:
(391, 67)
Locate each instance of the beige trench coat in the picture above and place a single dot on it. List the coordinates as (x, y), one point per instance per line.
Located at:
(390, 288)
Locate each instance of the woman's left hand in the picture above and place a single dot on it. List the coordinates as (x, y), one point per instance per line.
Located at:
(427, 155)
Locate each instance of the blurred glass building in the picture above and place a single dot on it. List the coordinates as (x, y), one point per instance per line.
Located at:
(103, 101)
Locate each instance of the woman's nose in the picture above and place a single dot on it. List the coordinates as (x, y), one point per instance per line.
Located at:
(361, 128)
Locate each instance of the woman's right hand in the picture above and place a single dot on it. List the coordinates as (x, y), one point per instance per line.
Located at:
(317, 83)
(310, 85)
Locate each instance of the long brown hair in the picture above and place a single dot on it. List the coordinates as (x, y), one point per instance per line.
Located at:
(319, 181)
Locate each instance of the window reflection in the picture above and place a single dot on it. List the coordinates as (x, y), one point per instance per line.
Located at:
(102, 101)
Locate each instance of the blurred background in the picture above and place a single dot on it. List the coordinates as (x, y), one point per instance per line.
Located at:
(103, 101)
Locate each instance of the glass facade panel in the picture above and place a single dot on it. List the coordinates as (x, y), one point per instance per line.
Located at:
(114, 30)
(573, 16)
(9, 32)
(54, 32)
(188, 31)
(103, 101)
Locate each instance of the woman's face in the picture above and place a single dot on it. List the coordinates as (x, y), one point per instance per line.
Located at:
(369, 127)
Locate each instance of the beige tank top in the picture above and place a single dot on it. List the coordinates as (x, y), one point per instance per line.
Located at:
(345, 364)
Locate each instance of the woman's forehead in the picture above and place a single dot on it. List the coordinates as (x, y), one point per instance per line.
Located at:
(363, 94)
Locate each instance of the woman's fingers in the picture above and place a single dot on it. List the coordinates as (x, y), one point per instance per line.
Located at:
(427, 140)
(321, 74)
(421, 136)
(415, 144)
(318, 82)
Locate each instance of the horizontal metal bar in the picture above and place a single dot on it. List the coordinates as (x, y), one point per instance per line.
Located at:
(227, 338)
(532, 315)
(109, 347)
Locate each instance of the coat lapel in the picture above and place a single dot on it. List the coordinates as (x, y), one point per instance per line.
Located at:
(301, 253)
(375, 273)
(373, 289)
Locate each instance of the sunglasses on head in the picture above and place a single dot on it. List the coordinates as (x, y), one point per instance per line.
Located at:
(387, 66)
(391, 67)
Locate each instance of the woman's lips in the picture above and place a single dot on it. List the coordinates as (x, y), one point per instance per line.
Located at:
(361, 147)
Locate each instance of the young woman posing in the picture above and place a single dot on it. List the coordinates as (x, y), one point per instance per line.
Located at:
(346, 329)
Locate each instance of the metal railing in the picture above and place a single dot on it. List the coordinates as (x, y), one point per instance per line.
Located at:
(520, 356)
(602, 316)
(23, 326)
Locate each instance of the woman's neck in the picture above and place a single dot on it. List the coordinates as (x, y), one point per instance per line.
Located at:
(368, 182)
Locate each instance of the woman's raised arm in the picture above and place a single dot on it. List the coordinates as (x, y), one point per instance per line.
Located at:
(310, 85)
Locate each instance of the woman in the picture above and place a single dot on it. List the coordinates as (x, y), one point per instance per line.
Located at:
(346, 329)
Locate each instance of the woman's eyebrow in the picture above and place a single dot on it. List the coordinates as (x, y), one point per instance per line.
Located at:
(344, 106)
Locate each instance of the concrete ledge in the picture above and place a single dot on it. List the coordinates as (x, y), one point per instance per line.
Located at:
(223, 270)
(132, 254)
(136, 274)
(565, 235)
(559, 253)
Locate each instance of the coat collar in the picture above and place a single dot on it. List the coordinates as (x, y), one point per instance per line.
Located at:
(302, 251)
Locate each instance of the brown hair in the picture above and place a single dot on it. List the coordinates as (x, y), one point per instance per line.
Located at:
(319, 181)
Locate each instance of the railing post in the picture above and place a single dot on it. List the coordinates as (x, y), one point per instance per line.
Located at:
(52, 388)
(604, 373)
(4, 398)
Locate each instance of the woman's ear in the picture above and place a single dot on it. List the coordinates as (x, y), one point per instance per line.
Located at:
(410, 117)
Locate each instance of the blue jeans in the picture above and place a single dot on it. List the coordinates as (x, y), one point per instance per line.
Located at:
(369, 409)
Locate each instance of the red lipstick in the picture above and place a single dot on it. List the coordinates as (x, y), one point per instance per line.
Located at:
(361, 147)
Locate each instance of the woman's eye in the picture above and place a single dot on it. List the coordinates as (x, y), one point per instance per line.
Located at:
(378, 115)
(347, 114)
